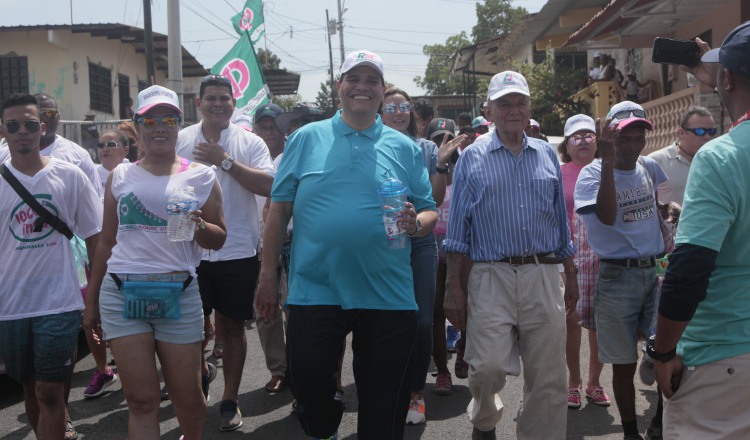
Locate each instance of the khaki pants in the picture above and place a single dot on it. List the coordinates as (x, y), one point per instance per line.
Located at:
(271, 334)
(711, 402)
(517, 313)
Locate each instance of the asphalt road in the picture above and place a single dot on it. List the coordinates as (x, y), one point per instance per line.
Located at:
(269, 417)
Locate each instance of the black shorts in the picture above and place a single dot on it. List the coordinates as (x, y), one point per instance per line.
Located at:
(229, 286)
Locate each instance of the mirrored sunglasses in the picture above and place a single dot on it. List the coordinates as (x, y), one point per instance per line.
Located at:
(31, 125)
(110, 144)
(404, 107)
(588, 138)
(50, 113)
(629, 113)
(701, 131)
(164, 121)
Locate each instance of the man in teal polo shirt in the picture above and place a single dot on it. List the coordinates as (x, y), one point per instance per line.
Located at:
(705, 302)
(344, 277)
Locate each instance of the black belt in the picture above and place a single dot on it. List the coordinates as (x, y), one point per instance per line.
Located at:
(542, 258)
(632, 262)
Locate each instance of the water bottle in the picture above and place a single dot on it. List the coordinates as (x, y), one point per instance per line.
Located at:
(392, 198)
(180, 226)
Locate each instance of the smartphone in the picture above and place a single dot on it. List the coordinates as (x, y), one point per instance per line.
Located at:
(668, 51)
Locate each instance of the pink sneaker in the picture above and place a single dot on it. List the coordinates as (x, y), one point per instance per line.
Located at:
(598, 396)
(574, 397)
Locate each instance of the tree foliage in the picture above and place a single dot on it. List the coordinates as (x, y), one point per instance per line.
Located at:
(552, 87)
(323, 100)
(437, 79)
(268, 60)
(494, 18)
(287, 102)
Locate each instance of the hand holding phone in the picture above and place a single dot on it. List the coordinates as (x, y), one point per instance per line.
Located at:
(683, 52)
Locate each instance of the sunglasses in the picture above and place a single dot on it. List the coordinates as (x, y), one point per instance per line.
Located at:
(404, 107)
(164, 121)
(217, 80)
(701, 131)
(110, 144)
(588, 138)
(31, 125)
(630, 113)
(50, 113)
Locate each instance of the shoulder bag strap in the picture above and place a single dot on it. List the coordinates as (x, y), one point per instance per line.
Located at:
(44, 215)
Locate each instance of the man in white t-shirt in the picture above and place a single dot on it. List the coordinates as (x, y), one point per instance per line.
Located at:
(616, 195)
(227, 277)
(40, 305)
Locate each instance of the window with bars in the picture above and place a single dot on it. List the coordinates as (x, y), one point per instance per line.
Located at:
(190, 112)
(14, 76)
(100, 88)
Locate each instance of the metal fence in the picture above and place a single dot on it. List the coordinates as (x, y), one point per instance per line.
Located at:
(86, 133)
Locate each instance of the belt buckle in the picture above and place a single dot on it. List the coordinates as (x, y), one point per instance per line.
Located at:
(644, 262)
(511, 263)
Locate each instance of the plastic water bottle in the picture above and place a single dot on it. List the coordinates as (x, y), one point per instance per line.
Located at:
(180, 226)
(393, 195)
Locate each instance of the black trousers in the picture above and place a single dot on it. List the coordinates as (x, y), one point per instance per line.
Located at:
(383, 342)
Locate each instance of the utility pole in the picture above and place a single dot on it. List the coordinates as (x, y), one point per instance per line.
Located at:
(331, 25)
(149, 40)
(174, 48)
(341, 31)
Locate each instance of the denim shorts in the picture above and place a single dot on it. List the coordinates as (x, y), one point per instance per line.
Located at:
(40, 348)
(625, 308)
(186, 330)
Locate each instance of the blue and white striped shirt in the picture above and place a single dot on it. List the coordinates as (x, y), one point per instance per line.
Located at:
(506, 206)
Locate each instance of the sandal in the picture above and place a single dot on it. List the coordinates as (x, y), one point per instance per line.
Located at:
(70, 431)
(276, 384)
(218, 351)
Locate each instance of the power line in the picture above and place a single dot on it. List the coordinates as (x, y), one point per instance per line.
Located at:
(206, 20)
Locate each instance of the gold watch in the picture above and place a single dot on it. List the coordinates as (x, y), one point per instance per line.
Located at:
(571, 269)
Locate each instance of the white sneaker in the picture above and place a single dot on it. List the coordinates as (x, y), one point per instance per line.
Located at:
(646, 369)
(415, 416)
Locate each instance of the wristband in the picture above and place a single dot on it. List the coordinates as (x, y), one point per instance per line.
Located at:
(442, 170)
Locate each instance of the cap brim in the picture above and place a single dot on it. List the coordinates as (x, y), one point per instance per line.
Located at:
(441, 132)
(712, 56)
(501, 93)
(145, 109)
(634, 121)
(369, 64)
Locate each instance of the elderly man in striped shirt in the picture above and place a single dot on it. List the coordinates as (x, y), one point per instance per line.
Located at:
(508, 215)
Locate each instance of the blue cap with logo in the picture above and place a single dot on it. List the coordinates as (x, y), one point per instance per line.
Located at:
(733, 53)
(269, 109)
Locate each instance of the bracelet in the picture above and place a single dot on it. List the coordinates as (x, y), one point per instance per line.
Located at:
(442, 170)
(571, 270)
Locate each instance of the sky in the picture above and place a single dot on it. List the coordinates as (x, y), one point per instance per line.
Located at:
(295, 29)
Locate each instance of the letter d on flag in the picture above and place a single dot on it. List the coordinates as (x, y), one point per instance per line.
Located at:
(241, 66)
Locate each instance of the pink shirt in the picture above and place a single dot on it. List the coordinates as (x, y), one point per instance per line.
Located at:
(570, 172)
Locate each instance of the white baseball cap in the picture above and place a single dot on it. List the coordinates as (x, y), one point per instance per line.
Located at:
(597, 54)
(155, 96)
(627, 113)
(362, 57)
(577, 123)
(534, 123)
(507, 82)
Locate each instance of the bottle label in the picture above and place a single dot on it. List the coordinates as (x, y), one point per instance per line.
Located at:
(391, 227)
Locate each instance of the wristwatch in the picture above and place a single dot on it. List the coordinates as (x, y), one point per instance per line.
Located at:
(419, 228)
(571, 269)
(657, 356)
(227, 163)
(442, 170)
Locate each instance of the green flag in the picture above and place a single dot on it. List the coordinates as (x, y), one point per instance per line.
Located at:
(250, 20)
(241, 66)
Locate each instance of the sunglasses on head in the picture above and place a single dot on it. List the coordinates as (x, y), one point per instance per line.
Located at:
(50, 113)
(404, 107)
(216, 79)
(164, 121)
(629, 113)
(701, 131)
(577, 139)
(31, 125)
(110, 144)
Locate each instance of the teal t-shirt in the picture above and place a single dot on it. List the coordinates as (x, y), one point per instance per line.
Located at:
(716, 215)
(340, 254)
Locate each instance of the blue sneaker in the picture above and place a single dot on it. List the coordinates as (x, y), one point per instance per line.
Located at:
(451, 339)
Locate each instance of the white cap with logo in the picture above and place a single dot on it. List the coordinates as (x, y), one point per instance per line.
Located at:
(155, 96)
(362, 57)
(577, 123)
(507, 82)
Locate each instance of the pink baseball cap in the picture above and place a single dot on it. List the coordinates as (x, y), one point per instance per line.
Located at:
(627, 113)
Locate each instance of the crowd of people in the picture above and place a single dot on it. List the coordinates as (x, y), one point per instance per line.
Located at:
(517, 243)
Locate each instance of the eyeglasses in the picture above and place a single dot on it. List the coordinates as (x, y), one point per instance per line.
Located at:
(31, 125)
(110, 144)
(701, 131)
(216, 80)
(50, 113)
(588, 138)
(404, 107)
(629, 113)
(164, 121)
